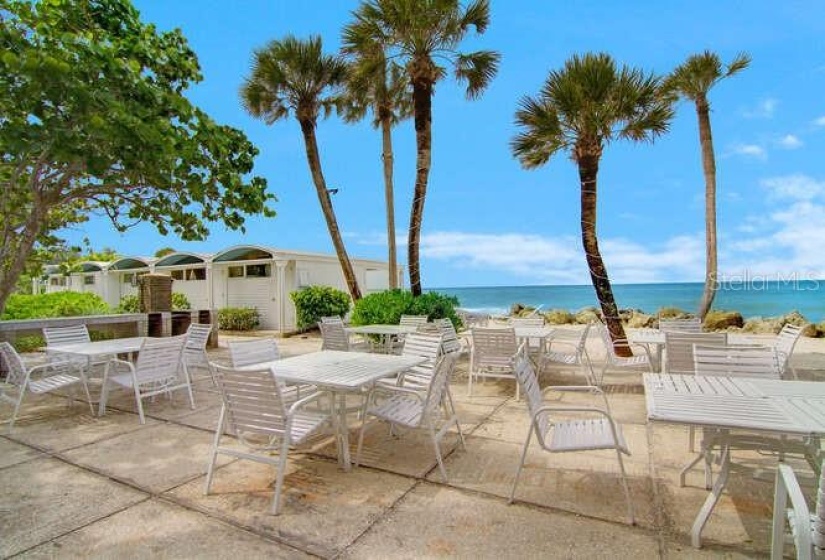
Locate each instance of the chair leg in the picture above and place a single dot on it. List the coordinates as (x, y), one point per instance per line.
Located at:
(279, 481)
(17, 407)
(139, 402)
(104, 396)
(438, 457)
(626, 488)
(360, 442)
(520, 464)
(216, 440)
(455, 416)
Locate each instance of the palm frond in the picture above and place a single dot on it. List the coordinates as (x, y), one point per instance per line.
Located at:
(478, 68)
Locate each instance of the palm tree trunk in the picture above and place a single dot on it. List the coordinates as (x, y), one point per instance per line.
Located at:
(588, 171)
(314, 160)
(709, 168)
(422, 109)
(387, 158)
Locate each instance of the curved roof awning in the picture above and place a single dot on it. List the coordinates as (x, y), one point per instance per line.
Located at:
(244, 253)
(178, 259)
(129, 263)
(90, 267)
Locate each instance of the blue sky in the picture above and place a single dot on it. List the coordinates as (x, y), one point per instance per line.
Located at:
(489, 222)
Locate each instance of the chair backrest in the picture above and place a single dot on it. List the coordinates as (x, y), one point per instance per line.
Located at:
(786, 341)
(581, 345)
(449, 337)
(413, 320)
(253, 401)
(332, 319)
(526, 376)
(159, 359)
(608, 342)
(427, 345)
(691, 325)
(736, 361)
(493, 343)
(679, 349)
(15, 368)
(528, 322)
(66, 335)
(253, 351)
(438, 385)
(197, 336)
(335, 336)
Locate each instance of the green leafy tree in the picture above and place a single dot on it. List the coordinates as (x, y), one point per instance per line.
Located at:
(581, 108)
(378, 85)
(160, 253)
(416, 34)
(693, 79)
(94, 118)
(295, 76)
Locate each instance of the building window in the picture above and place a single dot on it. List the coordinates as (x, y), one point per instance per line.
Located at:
(258, 271)
(57, 281)
(196, 274)
(89, 280)
(236, 272)
(128, 278)
(177, 275)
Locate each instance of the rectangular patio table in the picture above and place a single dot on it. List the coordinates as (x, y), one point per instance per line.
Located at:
(386, 332)
(340, 373)
(654, 340)
(768, 407)
(99, 347)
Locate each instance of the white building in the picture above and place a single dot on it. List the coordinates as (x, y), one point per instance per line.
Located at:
(241, 276)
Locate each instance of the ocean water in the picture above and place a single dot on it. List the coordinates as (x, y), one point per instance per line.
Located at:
(751, 299)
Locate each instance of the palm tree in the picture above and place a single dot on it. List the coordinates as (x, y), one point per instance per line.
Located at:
(295, 76)
(580, 109)
(380, 85)
(693, 79)
(416, 33)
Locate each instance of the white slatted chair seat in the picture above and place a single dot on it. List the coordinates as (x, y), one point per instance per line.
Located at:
(413, 409)
(263, 420)
(689, 325)
(641, 359)
(159, 368)
(571, 352)
(679, 349)
(562, 428)
(736, 361)
(38, 379)
(784, 345)
(807, 529)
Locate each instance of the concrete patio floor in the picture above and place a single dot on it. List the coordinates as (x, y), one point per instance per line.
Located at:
(73, 485)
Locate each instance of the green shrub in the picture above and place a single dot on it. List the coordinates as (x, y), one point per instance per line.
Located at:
(131, 303)
(57, 304)
(238, 318)
(29, 343)
(387, 307)
(314, 302)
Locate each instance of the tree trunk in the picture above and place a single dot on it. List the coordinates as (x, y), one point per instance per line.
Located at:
(422, 109)
(709, 168)
(387, 158)
(15, 250)
(308, 128)
(588, 171)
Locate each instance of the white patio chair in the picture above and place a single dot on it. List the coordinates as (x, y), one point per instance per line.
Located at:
(336, 337)
(37, 379)
(736, 361)
(493, 353)
(332, 319)
(807, 529)
(689, 325)
(73, 334)
(426, 345)
(641, 360)
(450, 341)
(413, 320)
(159, 369)
(263, 420)
(569, 352)
(557, 434)
(535, 345)
(257, 352)
(194, 351)
(410, 408)
(679, 349)
(784, 344)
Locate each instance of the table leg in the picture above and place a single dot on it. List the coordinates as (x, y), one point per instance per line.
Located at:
(712, 499)
(342, 438)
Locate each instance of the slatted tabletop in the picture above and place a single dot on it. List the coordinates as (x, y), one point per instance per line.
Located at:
(332, 369)
(533, 332)
(790, 407)
(383, 330)
(100, 347)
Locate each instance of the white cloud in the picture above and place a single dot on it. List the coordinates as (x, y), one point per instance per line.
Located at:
(793, 187)
(789, 142)
(750, 150)
(820, 121)
(763, 110)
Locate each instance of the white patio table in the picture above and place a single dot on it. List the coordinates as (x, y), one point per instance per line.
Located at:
(340, 373)
(654, 340)
(534, 334)
(386, 332)
(99, 347)
(768, 407)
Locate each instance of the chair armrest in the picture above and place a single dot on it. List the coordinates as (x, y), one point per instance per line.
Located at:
(573, 389)
(300, 403)
(395, 390)
(555, 408)
(800, 514)
(551, 342)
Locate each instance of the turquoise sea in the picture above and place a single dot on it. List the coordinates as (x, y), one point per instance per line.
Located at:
(752, 298)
